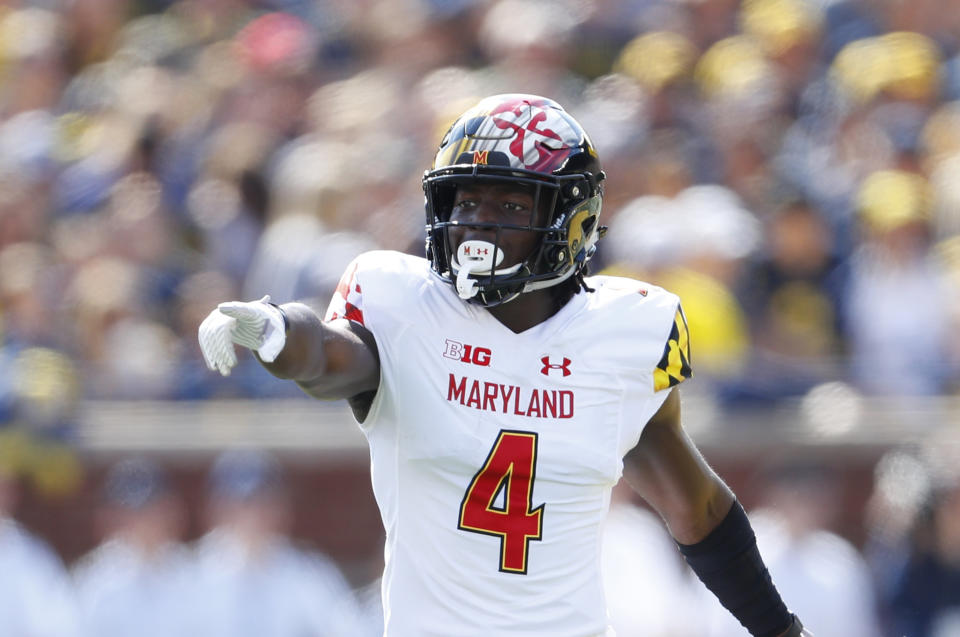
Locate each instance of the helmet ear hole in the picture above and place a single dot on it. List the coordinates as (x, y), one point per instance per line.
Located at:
(588, 224)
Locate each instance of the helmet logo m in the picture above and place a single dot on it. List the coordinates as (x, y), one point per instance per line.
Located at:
(481, 156)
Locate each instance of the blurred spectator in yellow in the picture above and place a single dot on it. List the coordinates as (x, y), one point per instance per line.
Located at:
(822, 574)
(792, 293)
(660, 61)
(40, 391)
(741, 93)
(137, 581)
(251, 578)
(789, 33)
(897, 314)
(36, 597)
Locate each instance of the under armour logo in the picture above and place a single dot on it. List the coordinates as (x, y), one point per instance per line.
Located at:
(547, 366)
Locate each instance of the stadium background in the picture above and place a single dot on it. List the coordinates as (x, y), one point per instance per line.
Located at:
(790, 167)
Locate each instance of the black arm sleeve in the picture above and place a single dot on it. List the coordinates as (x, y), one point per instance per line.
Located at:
(728, 563)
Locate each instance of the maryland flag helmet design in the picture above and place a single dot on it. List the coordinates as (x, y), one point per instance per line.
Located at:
(528, 140)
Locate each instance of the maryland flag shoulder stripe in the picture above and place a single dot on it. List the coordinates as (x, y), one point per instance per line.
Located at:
(674, 365)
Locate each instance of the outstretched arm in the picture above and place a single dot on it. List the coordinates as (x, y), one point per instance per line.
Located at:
(331, 360)
(708, 524)
(337, 359)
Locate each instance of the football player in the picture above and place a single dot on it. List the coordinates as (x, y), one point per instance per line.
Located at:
(503, 392)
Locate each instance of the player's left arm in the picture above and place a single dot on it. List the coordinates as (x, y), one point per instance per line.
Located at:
(669, 472)
(708, 524)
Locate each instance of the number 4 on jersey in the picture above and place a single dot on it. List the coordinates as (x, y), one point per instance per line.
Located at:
(510, 469)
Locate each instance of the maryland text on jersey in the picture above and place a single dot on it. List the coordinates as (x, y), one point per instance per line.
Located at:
(510, 399)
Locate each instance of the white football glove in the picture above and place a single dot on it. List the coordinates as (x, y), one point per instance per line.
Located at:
(256, 325)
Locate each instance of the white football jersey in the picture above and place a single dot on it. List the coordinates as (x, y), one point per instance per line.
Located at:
(493, 453)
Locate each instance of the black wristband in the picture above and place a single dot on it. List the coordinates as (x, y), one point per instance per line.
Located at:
(728, 563)
(286, 321)
(796, 630)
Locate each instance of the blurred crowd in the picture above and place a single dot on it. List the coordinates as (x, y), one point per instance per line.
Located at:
(791, 168)
(245, 573)
(903, 582)
(244, 576)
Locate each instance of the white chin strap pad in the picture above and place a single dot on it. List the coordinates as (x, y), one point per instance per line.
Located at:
(479, 257)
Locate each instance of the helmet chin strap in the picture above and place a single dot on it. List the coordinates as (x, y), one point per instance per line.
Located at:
(477, 257)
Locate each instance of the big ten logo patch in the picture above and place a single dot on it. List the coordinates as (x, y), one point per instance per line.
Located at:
(467, 353)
